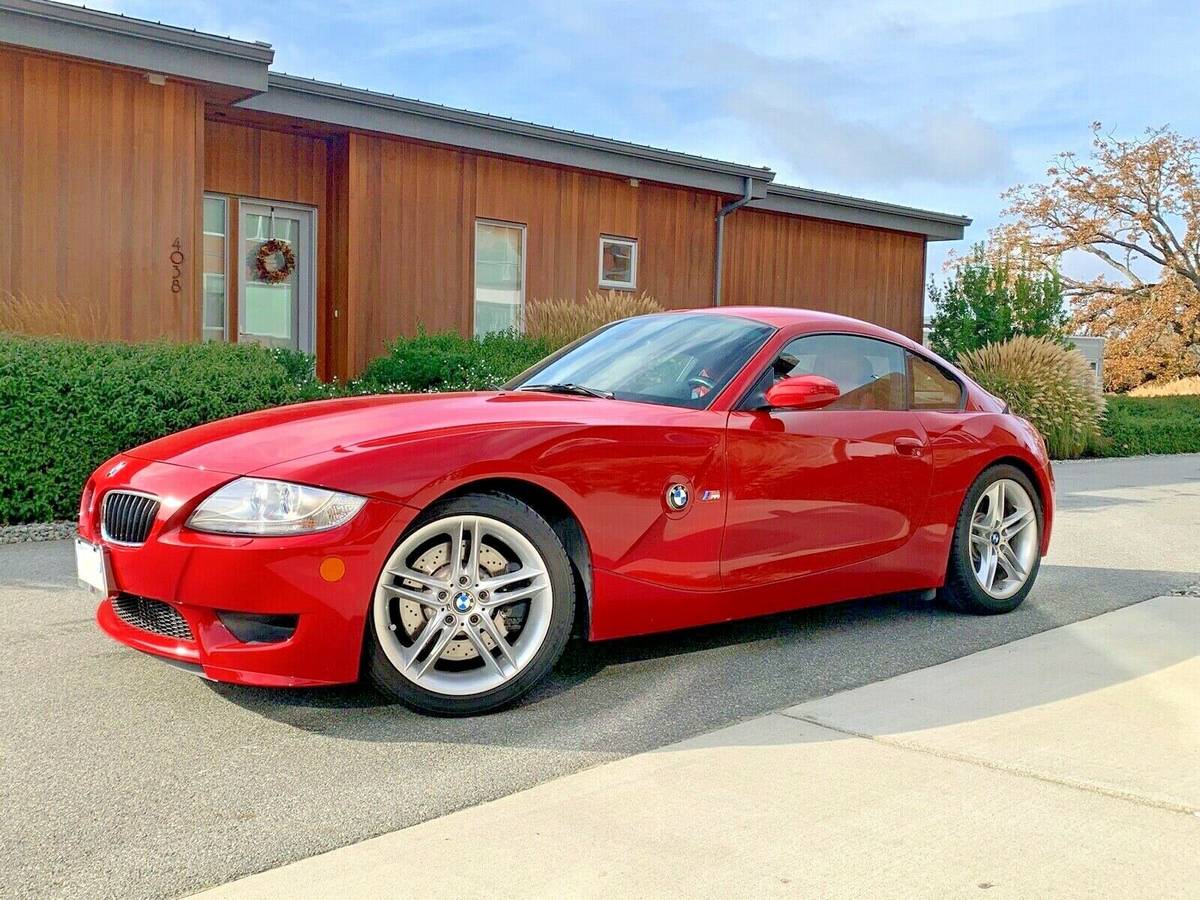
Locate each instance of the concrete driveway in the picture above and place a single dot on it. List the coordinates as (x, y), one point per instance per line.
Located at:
(124, 777)
(1064, 764)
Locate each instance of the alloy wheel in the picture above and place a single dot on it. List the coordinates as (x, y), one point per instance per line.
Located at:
(1004, 538)
(463, 605)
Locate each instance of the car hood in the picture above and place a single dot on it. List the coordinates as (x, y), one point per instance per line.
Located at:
(244, 444)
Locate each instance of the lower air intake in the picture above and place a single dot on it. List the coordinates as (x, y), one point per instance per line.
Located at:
(152, 615)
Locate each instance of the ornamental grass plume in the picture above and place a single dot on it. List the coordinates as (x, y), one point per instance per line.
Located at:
(558, 322)
(1180, 387)
(52, 317)
(1050, 385)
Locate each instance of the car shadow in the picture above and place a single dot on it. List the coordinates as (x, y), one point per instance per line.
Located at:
(634, 694)
(583, 659)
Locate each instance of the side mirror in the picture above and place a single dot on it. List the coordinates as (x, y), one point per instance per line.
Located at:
(802, 392)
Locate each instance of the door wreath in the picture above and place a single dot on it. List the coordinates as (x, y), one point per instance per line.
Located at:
(274, 261)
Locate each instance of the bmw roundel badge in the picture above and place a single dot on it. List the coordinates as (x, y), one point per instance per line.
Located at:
(678, 496)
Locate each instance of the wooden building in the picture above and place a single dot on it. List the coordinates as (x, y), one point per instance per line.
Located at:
(143, 167)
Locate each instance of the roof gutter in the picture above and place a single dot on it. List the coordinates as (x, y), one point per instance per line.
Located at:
(747, 196)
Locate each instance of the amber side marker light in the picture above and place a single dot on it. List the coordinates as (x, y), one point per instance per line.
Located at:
(332, 569)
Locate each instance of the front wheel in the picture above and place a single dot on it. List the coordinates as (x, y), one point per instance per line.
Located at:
(996, 553)
(472, 608)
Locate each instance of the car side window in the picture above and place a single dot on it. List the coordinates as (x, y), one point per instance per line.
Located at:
(870, 374)
(931, 387)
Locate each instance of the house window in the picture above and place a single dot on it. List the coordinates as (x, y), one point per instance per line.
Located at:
(618, 263)
(499, 276)
(215, 297)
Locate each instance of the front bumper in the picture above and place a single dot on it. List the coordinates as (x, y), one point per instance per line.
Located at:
(326, 580)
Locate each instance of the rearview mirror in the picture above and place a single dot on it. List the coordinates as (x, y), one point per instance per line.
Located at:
(802, 392)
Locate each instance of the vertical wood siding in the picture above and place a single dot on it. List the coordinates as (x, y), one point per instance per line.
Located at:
(408, 252)
(411, 209)
(778, 260)
(99, 175)
(269, 165)
(100, 172)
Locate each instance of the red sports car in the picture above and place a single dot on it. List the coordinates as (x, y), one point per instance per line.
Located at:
(666, 471)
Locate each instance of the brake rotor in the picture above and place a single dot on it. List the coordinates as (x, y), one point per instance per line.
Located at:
(436, 562)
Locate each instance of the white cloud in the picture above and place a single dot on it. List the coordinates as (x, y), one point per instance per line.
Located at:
(953, 145)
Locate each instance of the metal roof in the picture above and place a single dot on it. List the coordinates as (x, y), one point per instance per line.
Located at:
(337, 104)
(137, 43)
(242, 65)
(800, 201)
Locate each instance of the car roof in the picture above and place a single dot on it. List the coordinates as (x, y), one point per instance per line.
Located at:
(810, 319)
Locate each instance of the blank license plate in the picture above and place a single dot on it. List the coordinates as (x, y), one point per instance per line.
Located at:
(91, 564)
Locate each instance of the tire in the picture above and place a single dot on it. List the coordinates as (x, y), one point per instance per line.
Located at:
(1017, 548)
(459, 680)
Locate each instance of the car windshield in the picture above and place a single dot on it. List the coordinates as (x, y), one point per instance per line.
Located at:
(673, 359)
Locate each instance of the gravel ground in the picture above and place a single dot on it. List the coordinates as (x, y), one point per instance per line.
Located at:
(36, 531)
(124, 777)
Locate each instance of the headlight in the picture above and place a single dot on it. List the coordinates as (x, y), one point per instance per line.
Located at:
(260, 506)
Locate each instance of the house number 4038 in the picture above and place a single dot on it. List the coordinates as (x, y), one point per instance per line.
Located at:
(177, 259)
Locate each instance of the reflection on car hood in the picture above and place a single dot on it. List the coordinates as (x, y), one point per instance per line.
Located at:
(246, 443)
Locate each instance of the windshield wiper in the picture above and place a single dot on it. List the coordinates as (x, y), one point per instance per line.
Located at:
(569, 388)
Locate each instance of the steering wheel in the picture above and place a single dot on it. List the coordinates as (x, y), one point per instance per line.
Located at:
(698, 381)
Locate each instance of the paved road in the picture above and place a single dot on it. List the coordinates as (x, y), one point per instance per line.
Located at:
(124, 777)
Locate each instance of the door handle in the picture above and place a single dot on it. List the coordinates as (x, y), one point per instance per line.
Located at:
(909, 446)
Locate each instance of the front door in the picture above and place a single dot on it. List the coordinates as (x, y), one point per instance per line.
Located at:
(812, 490)
(277, 293)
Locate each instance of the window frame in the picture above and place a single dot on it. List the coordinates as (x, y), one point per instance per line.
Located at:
(523, 228)
(743, 402)
(226, 202)
(962, 388)
(632, 244)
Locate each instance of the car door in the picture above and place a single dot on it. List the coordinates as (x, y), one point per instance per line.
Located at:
(812, 490)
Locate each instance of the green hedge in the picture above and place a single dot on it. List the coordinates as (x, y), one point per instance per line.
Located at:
(449, 362)
(1138, 425)
(66, 406)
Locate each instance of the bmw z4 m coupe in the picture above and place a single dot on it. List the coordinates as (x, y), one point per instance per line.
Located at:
(666, 471)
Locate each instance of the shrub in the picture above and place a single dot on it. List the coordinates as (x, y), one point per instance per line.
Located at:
(447, 361)
(987, 302)
(558, 322)
(1137, 425)
(1180, 387)
(1050, 385)
(66, 406)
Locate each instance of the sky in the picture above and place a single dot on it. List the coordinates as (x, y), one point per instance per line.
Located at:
(929, 103)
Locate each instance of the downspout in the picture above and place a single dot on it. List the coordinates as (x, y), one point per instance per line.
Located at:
(747, 196)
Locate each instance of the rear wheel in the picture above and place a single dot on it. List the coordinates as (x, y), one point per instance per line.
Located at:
(996, 553)
(473, 607)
